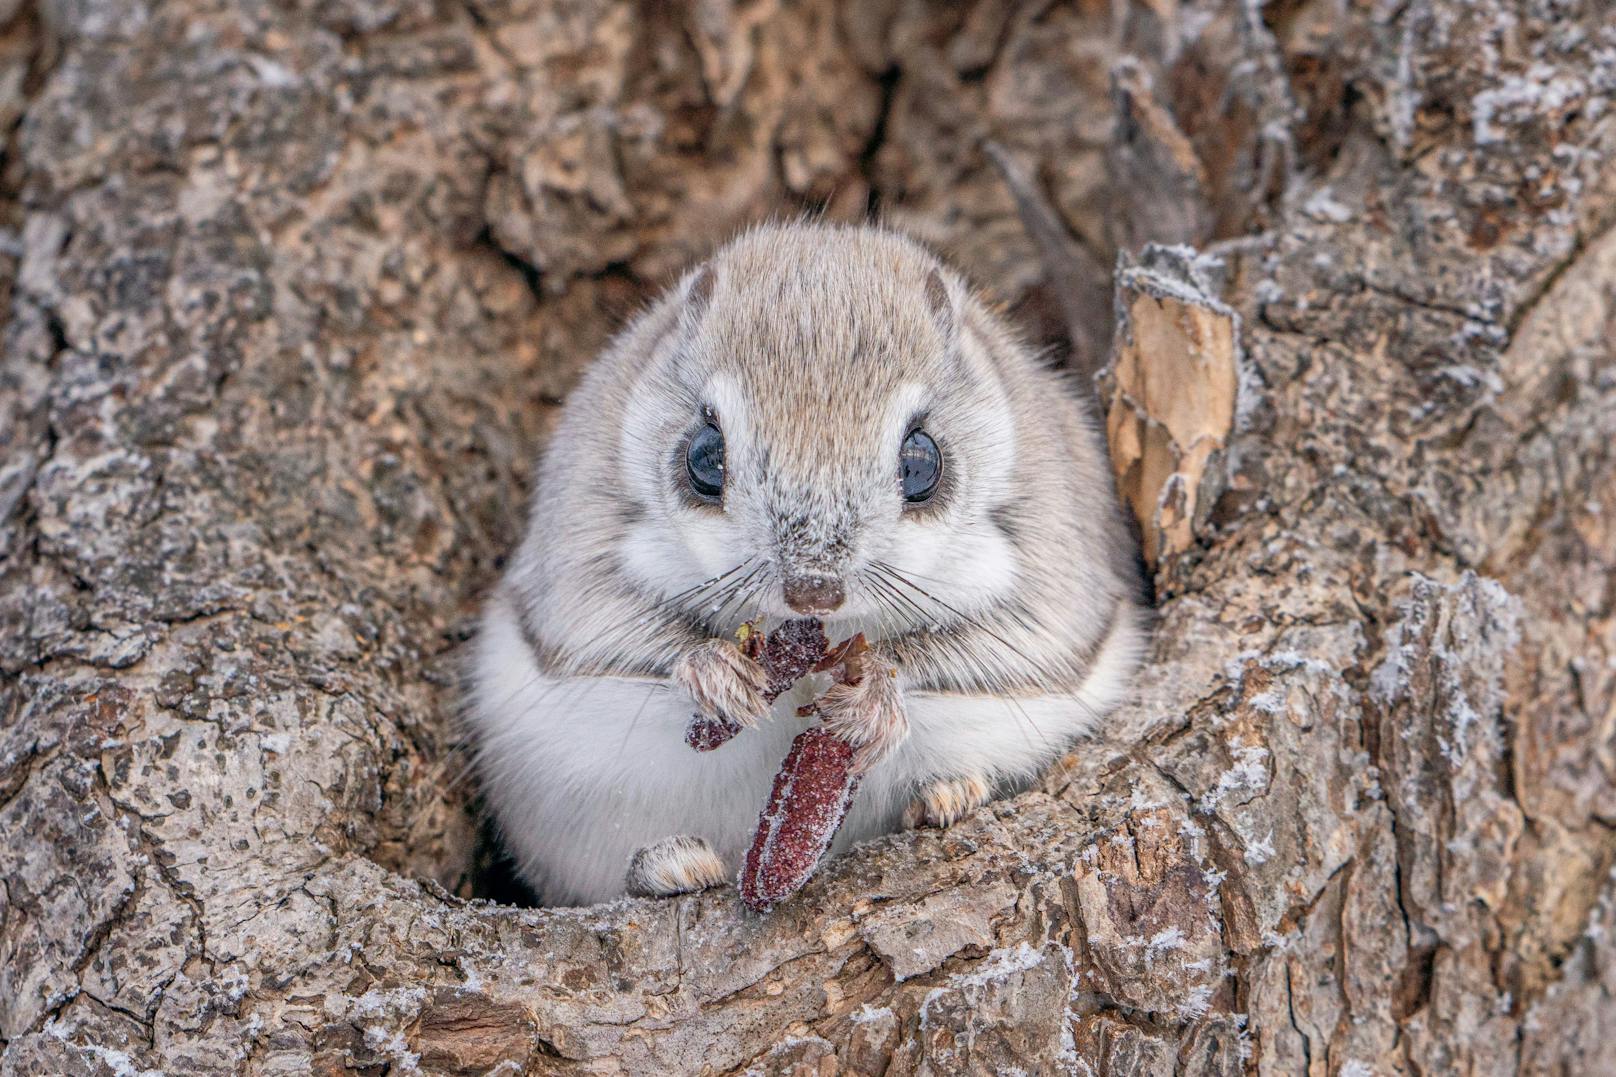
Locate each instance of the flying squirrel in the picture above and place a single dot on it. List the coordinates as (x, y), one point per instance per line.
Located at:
(819, 421)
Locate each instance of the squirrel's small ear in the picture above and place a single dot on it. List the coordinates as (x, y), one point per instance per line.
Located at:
(941, 303)
(700, 292)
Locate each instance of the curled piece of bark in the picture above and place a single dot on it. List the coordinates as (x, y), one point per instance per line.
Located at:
(1173, 393)
(785, 654)
(845, 659)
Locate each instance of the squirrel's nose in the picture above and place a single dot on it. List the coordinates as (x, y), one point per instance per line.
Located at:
(814, 595)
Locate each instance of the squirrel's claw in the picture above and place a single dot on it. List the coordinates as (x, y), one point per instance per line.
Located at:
(946, 801)
(867, 713)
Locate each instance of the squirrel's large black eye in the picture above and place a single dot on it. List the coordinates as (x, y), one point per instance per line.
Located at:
(704, 462)
(920, 467)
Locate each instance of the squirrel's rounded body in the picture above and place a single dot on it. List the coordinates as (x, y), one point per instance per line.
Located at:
(822, 421)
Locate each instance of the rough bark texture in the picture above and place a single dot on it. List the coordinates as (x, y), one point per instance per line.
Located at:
(292, 291)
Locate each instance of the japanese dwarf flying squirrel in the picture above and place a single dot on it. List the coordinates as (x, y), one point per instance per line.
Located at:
(819, 421)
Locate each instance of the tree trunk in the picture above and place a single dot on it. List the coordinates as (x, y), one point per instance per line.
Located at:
(293, 291)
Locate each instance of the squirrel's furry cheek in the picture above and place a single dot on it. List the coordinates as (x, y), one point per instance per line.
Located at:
(665, 556)
(980, 565)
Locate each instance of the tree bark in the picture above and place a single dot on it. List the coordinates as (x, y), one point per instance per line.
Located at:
(293, 291)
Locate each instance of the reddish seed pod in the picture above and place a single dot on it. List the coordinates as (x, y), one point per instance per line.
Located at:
(789, 652)
(785, 654)
(704, 733)
(811, 795)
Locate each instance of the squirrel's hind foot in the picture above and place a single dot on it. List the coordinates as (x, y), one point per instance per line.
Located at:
(677, 865)
(946, 801)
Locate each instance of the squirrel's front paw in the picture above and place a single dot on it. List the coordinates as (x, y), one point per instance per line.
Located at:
(725, 683)
(867, 712)
(946, 801)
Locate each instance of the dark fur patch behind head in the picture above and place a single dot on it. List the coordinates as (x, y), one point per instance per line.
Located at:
(942, 308)
(1008, 521)
(701, 290)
